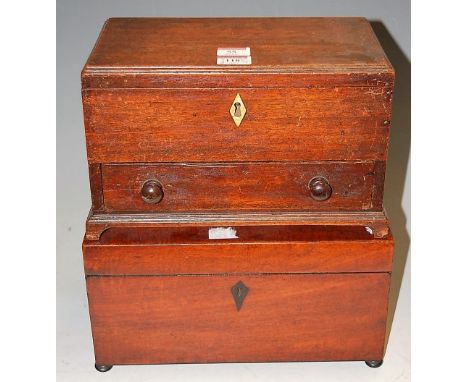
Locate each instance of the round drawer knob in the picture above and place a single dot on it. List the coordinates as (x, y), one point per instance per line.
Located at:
(320, 189)
(152, 192)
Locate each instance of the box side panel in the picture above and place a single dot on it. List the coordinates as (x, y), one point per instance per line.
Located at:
(190, 319)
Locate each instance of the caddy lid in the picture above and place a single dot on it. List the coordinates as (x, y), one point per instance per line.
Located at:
(248, 52)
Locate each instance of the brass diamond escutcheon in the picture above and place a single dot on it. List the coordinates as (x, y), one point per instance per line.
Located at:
(239, 292)
(238, 110)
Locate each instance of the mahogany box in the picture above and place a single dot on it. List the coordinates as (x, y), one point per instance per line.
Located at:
(237, 171)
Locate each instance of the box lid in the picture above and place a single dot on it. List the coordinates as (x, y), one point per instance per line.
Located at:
(182, 52)
(246, 249)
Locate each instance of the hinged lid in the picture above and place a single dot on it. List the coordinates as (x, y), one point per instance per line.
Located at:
(284, 52)
(266, 249)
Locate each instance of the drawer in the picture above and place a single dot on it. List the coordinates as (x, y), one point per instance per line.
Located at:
(241, 318)
(195, 125)
(336, 186)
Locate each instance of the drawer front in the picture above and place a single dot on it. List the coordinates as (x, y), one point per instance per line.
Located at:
(242, 186)
(195, 125)
(144, 320)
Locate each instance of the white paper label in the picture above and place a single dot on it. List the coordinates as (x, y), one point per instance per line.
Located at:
(217, 233)
(234, 60)
(233, 56)
(233, 51)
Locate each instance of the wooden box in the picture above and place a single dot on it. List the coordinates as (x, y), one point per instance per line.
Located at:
(237, 170)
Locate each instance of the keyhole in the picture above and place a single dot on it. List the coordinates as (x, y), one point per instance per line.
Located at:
(237, 111)
(239, 292)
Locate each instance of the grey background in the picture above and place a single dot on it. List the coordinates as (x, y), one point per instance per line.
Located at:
(78, 25)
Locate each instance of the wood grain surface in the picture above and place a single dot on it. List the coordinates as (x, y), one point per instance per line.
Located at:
(182, 53)
(329, 43)
(144, 320)
(95, 182)
(318, 99)
(241, 186)
(258, 249)
(97, 223)
(194, 125)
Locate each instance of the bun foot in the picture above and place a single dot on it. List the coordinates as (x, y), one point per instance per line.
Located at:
(374, 364)
(102, 368)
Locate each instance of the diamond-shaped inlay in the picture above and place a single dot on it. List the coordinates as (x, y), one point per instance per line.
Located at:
(237, 110)
(239, 292)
